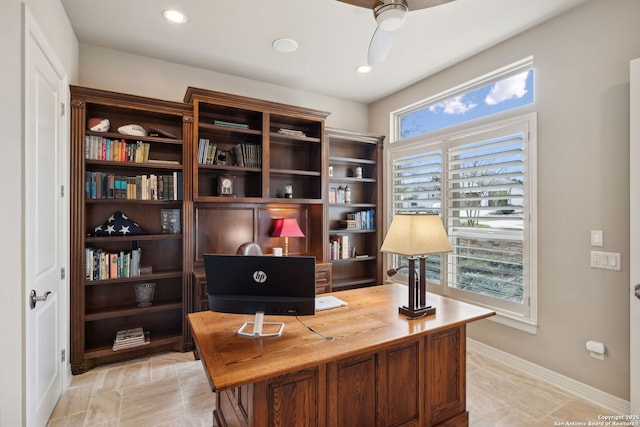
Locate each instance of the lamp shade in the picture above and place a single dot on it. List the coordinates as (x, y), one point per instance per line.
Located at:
(416, 234)
(286, 227)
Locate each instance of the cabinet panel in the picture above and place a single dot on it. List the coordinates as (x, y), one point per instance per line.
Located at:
(402, 399)
(292, 400)
(222, 229)
(353, 400)
(445, 389)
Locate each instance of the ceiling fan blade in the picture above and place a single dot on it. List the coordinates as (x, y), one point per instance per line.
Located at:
(423, 4)
(369, 4)
(380, 46)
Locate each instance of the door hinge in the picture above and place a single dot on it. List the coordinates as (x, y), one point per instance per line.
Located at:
(62, 273)
(62, 191)
(62, 108)
(63, 355)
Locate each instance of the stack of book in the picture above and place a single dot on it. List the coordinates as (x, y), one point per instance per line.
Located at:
(129, 338)
(291, 132)
(227, 124)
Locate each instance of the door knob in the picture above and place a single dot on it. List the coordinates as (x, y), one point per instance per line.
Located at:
(34, 298)
(638, 291)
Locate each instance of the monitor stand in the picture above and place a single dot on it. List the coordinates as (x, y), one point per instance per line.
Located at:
(258, 324)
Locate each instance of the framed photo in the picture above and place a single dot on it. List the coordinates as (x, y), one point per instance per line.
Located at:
(226, 185)
(170, 221)
(223, 157)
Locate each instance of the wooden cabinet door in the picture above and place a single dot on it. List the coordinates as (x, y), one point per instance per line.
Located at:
(445, 386)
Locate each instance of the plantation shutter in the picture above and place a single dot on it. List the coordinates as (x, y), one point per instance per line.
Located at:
(417, 182)
(485, 209)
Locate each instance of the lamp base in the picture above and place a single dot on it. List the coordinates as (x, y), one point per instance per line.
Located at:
(417, 312)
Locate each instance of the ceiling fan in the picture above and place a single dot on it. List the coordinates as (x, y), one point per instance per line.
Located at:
(390, 15)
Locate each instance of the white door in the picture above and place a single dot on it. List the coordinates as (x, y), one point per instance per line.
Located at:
(43, 225)
(634, 237)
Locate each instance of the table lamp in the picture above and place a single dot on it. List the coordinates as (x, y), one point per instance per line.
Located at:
(416, 235)
(286, 227)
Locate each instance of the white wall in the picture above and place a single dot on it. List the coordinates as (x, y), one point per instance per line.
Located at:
(54, 24)
(581, 62)
(118, 71)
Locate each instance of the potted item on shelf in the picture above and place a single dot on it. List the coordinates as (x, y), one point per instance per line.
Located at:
(144, 293)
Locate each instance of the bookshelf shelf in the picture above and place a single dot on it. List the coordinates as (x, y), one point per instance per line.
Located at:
(141, 237)
(130, 311)
(142, 278)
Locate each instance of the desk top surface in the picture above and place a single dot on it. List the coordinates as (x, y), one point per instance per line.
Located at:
(371, 321)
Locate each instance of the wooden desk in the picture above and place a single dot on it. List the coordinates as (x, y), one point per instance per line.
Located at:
(379, 370)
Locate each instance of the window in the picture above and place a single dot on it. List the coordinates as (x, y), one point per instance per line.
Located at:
(481, 181)
(502, 90)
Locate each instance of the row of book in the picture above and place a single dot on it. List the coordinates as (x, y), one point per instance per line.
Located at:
(341, 248)
(117, 150)
(129, 338)
(248, 154)
(103, 265)
(106, 185)
(361, 220)
(206, 152)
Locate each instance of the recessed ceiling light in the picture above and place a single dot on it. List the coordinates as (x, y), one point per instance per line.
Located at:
(174, 16)
(363, 69)
(285, 45)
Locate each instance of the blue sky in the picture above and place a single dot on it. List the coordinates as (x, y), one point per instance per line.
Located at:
(505, 94)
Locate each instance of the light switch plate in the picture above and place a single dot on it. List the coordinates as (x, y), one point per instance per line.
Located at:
(597, 238)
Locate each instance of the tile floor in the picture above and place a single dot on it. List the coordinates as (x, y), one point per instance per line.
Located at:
(172, 390)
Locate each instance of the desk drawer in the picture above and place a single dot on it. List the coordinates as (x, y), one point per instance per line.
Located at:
(323, 278)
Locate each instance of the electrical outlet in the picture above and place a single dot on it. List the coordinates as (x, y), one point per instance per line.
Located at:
(605, 260)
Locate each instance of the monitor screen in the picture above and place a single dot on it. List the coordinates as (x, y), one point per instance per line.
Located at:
(251, 284)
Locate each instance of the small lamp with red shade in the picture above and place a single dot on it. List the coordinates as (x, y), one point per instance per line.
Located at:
(286, 227)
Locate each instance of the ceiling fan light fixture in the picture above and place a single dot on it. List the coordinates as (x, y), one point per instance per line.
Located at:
(391, 15)
(363, 69)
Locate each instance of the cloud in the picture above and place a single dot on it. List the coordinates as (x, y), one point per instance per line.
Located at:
(455, 105)
(511, 87)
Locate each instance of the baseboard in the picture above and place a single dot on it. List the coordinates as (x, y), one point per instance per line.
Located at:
(584, 391)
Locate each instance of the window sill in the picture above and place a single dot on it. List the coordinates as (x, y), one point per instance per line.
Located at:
(520, 324)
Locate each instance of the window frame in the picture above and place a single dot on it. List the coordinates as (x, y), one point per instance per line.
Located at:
(526, 320)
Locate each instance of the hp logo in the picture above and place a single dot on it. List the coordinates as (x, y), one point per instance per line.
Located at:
(259, 276)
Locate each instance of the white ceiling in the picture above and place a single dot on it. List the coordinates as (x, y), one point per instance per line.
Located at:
(234, 37)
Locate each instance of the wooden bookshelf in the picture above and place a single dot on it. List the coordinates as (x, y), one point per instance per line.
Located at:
(347, 151)
(100, 306)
